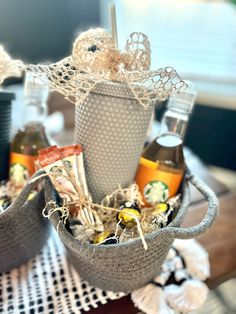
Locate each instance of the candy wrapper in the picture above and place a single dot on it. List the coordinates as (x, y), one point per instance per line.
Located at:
(69, 155)
(51, 162)
(65, 168)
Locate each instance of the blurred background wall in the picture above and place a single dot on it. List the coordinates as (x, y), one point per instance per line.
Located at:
(38, 30)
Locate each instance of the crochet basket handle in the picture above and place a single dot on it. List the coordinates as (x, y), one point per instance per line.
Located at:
(27, 189)
(211, 215)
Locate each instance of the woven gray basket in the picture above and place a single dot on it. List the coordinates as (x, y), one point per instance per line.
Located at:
(111, 126)
(23, 230)
(127, 266)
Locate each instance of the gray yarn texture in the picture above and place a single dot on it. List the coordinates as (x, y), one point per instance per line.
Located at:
(127, 266)
(111, 126)
(23, 229)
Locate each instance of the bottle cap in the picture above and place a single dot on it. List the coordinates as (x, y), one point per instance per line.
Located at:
(36, 93)
(183, 101)
(35, 88)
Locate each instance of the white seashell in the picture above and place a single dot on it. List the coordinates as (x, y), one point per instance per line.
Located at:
(187, 297)
(165, 267)
(162, 278)
(177, 261)
(195, 257)
(150, 299)
(180, 274)
(171, 266)
(171, 254)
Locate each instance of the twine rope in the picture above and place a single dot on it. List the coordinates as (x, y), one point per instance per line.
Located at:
(51, 207)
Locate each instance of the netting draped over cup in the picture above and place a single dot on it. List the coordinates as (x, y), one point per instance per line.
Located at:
(95, 59)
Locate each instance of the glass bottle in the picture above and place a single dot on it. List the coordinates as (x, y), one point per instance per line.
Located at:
(161, 166)
(31, 137)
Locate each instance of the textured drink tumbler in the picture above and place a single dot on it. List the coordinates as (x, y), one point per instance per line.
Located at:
(111, 126)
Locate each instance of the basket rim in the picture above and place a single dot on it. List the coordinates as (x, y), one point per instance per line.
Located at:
(12, 208)
(22, 199)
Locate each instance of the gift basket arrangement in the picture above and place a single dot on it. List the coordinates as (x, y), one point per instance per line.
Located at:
(116, 207)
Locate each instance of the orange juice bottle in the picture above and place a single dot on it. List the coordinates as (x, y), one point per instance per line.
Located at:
(32, 136)
(161, 166)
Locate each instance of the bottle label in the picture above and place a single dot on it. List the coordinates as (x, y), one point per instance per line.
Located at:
(22, 167)
(156, 185)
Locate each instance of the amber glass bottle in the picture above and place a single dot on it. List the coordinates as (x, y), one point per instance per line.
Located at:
(31, 137)
(161, 166)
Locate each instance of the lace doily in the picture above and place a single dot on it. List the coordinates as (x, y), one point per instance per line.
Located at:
(48, 284)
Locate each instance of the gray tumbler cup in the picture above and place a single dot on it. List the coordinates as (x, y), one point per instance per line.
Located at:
(5, 129)
(111, 125)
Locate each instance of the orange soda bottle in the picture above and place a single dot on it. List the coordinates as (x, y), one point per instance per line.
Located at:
(161, 167)
(32, 136)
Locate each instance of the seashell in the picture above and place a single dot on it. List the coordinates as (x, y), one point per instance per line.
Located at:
(171, 254)
(187, 297)
(162, 278)
(178, 262)
(195, 257)
(150, 299)
(180, 274)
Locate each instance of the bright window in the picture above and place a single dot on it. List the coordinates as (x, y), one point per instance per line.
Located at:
(196, 37)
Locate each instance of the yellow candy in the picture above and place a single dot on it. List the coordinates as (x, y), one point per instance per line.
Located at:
(101, 237)
(4, 203)
(127, 219)
(160, 208)
(32, 195)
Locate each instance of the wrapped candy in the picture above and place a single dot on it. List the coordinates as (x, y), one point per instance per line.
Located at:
(105, 237)
(126, 217)
(4, 203)
(161, 211)
(50, 160)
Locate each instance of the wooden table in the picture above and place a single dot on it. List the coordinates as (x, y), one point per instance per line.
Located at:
(219, 240)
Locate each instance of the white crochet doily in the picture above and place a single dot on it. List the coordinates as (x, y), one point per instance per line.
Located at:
(48, 284)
